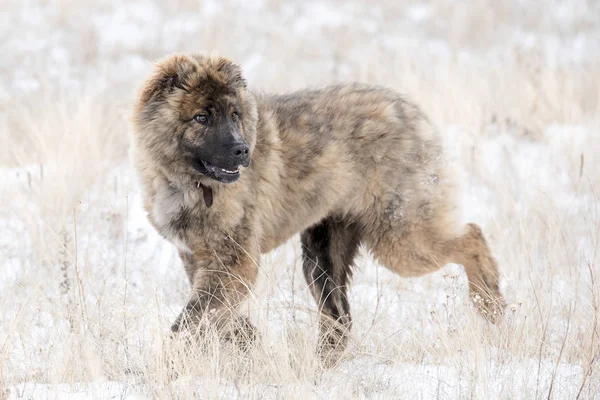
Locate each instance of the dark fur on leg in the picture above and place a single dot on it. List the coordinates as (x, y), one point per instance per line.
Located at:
(328, 251)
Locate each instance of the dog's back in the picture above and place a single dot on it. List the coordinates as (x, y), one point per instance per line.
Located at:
(343, 150)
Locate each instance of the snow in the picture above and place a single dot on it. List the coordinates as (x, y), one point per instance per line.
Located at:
(365, 378)
(535, 195)
(419, 12)
(95, 390)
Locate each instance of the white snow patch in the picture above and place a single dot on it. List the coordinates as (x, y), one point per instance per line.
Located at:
(419, 12)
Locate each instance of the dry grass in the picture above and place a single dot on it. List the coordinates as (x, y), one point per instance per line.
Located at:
(89, 289)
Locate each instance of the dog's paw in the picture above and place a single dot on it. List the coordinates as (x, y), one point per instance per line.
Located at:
(491, 308)
(332, 348)
(242, 333)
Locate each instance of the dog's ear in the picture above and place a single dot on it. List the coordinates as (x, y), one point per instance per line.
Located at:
(232, 72)
(169, 74)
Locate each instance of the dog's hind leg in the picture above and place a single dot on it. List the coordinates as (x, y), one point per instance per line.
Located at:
(415, 250)
(328, 251)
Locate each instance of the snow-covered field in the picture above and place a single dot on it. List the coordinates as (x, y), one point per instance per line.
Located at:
(88, 290)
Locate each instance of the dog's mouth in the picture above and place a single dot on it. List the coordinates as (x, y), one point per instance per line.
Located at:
(220, 174)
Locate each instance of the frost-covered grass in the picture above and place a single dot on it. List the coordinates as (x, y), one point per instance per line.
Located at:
(88, 289)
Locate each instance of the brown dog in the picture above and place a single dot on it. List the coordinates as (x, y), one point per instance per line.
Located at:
(229, 174)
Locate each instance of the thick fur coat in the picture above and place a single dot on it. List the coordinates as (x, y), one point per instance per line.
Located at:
(343, 166)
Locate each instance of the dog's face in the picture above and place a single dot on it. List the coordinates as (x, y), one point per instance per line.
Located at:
(196, 117)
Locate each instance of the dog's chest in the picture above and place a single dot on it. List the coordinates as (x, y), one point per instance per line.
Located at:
(172, 217)
(183, 218)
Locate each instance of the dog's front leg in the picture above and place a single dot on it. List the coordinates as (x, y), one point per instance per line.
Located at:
(219, 285)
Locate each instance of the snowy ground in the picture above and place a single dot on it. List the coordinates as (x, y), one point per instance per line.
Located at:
(88, 289)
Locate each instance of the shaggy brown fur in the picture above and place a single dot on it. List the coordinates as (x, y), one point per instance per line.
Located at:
(345, 165)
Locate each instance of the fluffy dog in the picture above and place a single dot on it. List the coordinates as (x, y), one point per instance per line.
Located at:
(228, 174)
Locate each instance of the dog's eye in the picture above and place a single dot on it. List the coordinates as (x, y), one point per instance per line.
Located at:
(201, 119)
(235, 116)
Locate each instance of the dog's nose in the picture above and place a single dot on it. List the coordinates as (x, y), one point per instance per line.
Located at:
(240, 152)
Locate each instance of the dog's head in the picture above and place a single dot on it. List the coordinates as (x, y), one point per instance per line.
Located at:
(195, 116)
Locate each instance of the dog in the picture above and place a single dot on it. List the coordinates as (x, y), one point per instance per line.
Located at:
(228, 174)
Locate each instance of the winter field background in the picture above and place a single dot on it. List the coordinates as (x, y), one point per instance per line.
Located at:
(88, 289)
